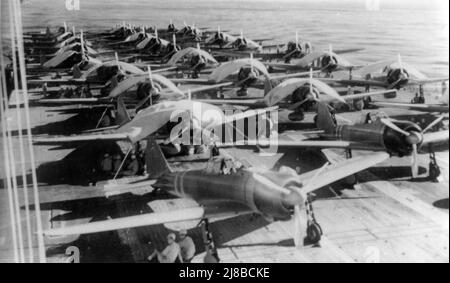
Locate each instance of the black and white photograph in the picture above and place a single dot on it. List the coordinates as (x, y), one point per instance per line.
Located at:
(224, 131)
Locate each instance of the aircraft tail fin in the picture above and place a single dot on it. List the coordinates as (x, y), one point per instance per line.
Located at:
(155, 160)
(122, 113)
(325, 120)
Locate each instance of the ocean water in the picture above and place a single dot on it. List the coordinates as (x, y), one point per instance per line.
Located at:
(419, 34)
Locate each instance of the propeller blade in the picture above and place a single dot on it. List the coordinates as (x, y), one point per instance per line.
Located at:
(65, 27)
(311, 82)
(434, 123)
(150, 76)
(251, 62)
(296, 39)
(415, 165)
(118, 63)
(400, 64)
(394, 127)
(174, 39)
(297, 227)
(82, 43)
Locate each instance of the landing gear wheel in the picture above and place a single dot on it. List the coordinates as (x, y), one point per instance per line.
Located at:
(314, 233)
(296, 116)
(433, 169)
(351, 181)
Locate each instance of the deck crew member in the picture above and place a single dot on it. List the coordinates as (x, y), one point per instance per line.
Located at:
(106, 165)
(187, 246)
(117, 161)
(170, 254)
(132, 167)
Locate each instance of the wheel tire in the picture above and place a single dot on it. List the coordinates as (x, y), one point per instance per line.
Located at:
(314, 233)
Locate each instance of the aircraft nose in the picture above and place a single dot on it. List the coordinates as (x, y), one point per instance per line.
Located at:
(293, 199)
(414, 138)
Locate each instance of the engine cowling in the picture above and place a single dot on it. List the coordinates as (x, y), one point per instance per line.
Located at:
(397, 78)
(329, 63)
(247, 76)
(380, 136)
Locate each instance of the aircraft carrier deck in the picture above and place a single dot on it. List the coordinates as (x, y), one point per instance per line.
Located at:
(386, 217)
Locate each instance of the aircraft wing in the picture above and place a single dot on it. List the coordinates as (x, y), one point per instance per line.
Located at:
(436, 137)
(188, 214)
(82, 138)
(366, 94)
(70, 101)
(418, 107)
(340, 170)
(350, 50)
(427, 81)
(355, 82)
(58, 81)
(285, 66)
(210, 87)
(238, 102)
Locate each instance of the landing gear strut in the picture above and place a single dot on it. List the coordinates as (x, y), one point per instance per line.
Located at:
(433, 169)
(313, 230)
(212, 256)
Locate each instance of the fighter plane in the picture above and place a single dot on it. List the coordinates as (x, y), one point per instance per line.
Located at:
(397, 138)
(77, 55)
(394, 75)
(326, 61)
(301, 91)
(226, 188)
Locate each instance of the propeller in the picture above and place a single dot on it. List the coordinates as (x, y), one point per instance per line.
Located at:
(296, 49)
(252, 74)
(413, 138)
(402, 76)
(297, 209)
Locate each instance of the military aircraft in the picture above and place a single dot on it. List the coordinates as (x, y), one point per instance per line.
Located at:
(79, 55)
(394, 75)
(225, 188)
(301, 91)
(326, 61)
(397, 138)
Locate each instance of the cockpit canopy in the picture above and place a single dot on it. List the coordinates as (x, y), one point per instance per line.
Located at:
(220, 165)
